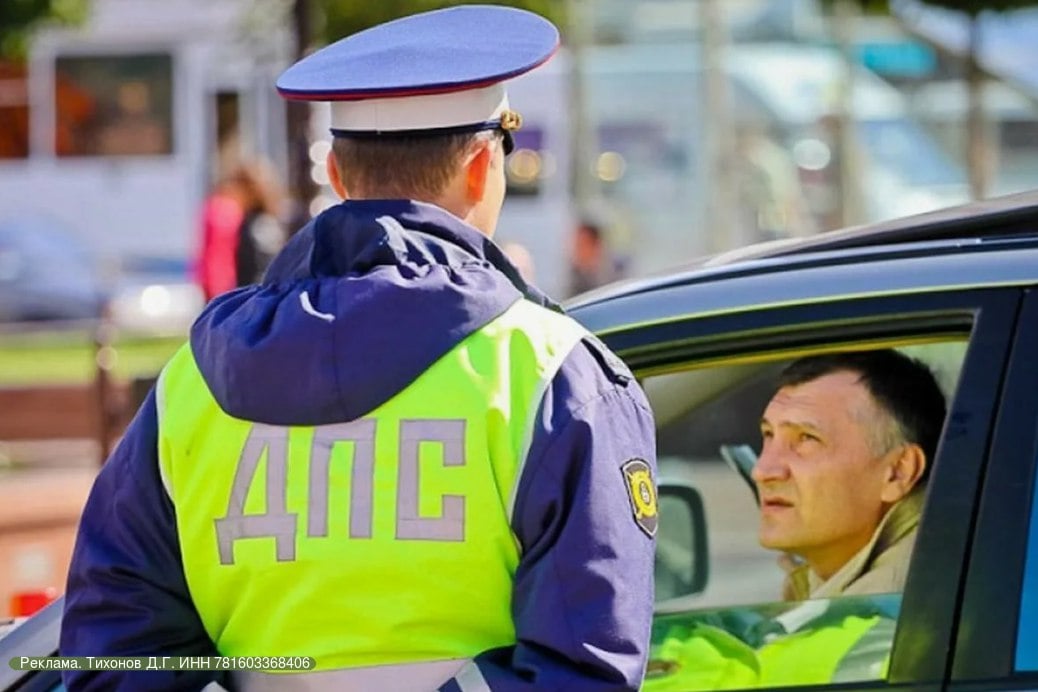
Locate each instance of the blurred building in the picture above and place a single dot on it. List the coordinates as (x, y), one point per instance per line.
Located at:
(631, 108)
(114, 129)
(1009, 95)
(672, 21)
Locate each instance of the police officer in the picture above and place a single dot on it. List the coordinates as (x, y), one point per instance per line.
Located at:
(393, 455)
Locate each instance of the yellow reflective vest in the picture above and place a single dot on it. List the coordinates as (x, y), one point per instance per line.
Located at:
(383, 540)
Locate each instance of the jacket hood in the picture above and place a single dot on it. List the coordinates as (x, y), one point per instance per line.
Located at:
(358, 304)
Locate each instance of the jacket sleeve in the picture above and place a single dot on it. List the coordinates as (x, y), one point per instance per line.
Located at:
(126, 593)
(583, 594)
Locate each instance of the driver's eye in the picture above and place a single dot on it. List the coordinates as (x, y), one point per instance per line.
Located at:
(807, 437)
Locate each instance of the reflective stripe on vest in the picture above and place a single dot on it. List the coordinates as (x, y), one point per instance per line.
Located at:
(699, 656)
(414, 677)
(384, 540)
(869, 658)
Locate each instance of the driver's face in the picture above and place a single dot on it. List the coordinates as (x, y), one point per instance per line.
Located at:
(819, 475)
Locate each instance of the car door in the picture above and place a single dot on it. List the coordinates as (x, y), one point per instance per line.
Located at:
(997, 638)
(678, 340)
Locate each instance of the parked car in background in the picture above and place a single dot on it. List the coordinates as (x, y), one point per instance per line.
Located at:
(49, 275)
(956, 289)
(154, 297)
(46, 273)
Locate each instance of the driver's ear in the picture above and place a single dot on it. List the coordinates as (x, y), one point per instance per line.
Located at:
(903, 473)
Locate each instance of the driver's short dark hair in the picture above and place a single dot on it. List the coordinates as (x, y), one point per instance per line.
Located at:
(904, 387)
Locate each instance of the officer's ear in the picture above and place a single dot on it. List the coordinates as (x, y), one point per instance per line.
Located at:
(905, 470)
(334, 178)
(477, 167)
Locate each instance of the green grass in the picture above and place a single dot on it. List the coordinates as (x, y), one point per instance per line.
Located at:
(52, 358)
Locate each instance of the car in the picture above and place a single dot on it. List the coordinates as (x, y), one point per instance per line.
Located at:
(45, 273)
(955, 288)
(49, 275)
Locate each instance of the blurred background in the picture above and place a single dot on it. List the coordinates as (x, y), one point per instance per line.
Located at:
(147, 164)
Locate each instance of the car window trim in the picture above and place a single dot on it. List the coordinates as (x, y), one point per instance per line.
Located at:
(693, 336)
(932, 597)
(846, 281)
(986, 645)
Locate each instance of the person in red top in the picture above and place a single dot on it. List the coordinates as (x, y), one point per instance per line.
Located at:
(222, 214)
(240, 229)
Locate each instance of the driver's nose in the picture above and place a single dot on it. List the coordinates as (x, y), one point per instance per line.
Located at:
(771, 465)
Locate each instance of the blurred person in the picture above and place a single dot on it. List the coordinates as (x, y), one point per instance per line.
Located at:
(133, 129)
(836, 198)
(241, 229)
(769, 187)
(458, 488)
(591, 264)
(522, 259)
(223, 211)
(76, 112)
(261, 234)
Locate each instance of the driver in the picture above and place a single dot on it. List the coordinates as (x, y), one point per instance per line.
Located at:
(847, 443)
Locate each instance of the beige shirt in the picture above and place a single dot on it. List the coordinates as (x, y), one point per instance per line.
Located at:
(880, 567)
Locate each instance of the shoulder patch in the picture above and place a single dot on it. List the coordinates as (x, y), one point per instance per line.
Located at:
(641, 491)
(614, 368)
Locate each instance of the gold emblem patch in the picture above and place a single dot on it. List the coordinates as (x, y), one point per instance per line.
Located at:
(641, 490)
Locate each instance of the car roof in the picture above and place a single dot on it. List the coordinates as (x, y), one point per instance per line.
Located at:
(1007, 223)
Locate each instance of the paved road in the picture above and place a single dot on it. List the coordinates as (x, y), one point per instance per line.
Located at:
(39, 511)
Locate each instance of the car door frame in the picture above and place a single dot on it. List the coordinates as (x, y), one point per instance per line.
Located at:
(929, 616)
(986, 643)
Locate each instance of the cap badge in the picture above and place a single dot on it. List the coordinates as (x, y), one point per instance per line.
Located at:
(511, 121)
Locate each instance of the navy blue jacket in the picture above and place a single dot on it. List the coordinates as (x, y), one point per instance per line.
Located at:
(406, 281)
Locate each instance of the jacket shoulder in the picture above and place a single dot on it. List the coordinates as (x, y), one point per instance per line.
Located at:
(611, 365)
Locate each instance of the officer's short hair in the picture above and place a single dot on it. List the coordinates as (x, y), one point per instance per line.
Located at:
(905, 388)
(402, 167)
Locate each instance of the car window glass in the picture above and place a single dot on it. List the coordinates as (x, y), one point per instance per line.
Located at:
(770, 644)
(748, 628)
(1027, 632)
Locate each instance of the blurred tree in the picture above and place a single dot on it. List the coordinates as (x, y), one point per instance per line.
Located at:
(20, 18)
(980, 158)
(345, 18)
(840, 122)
